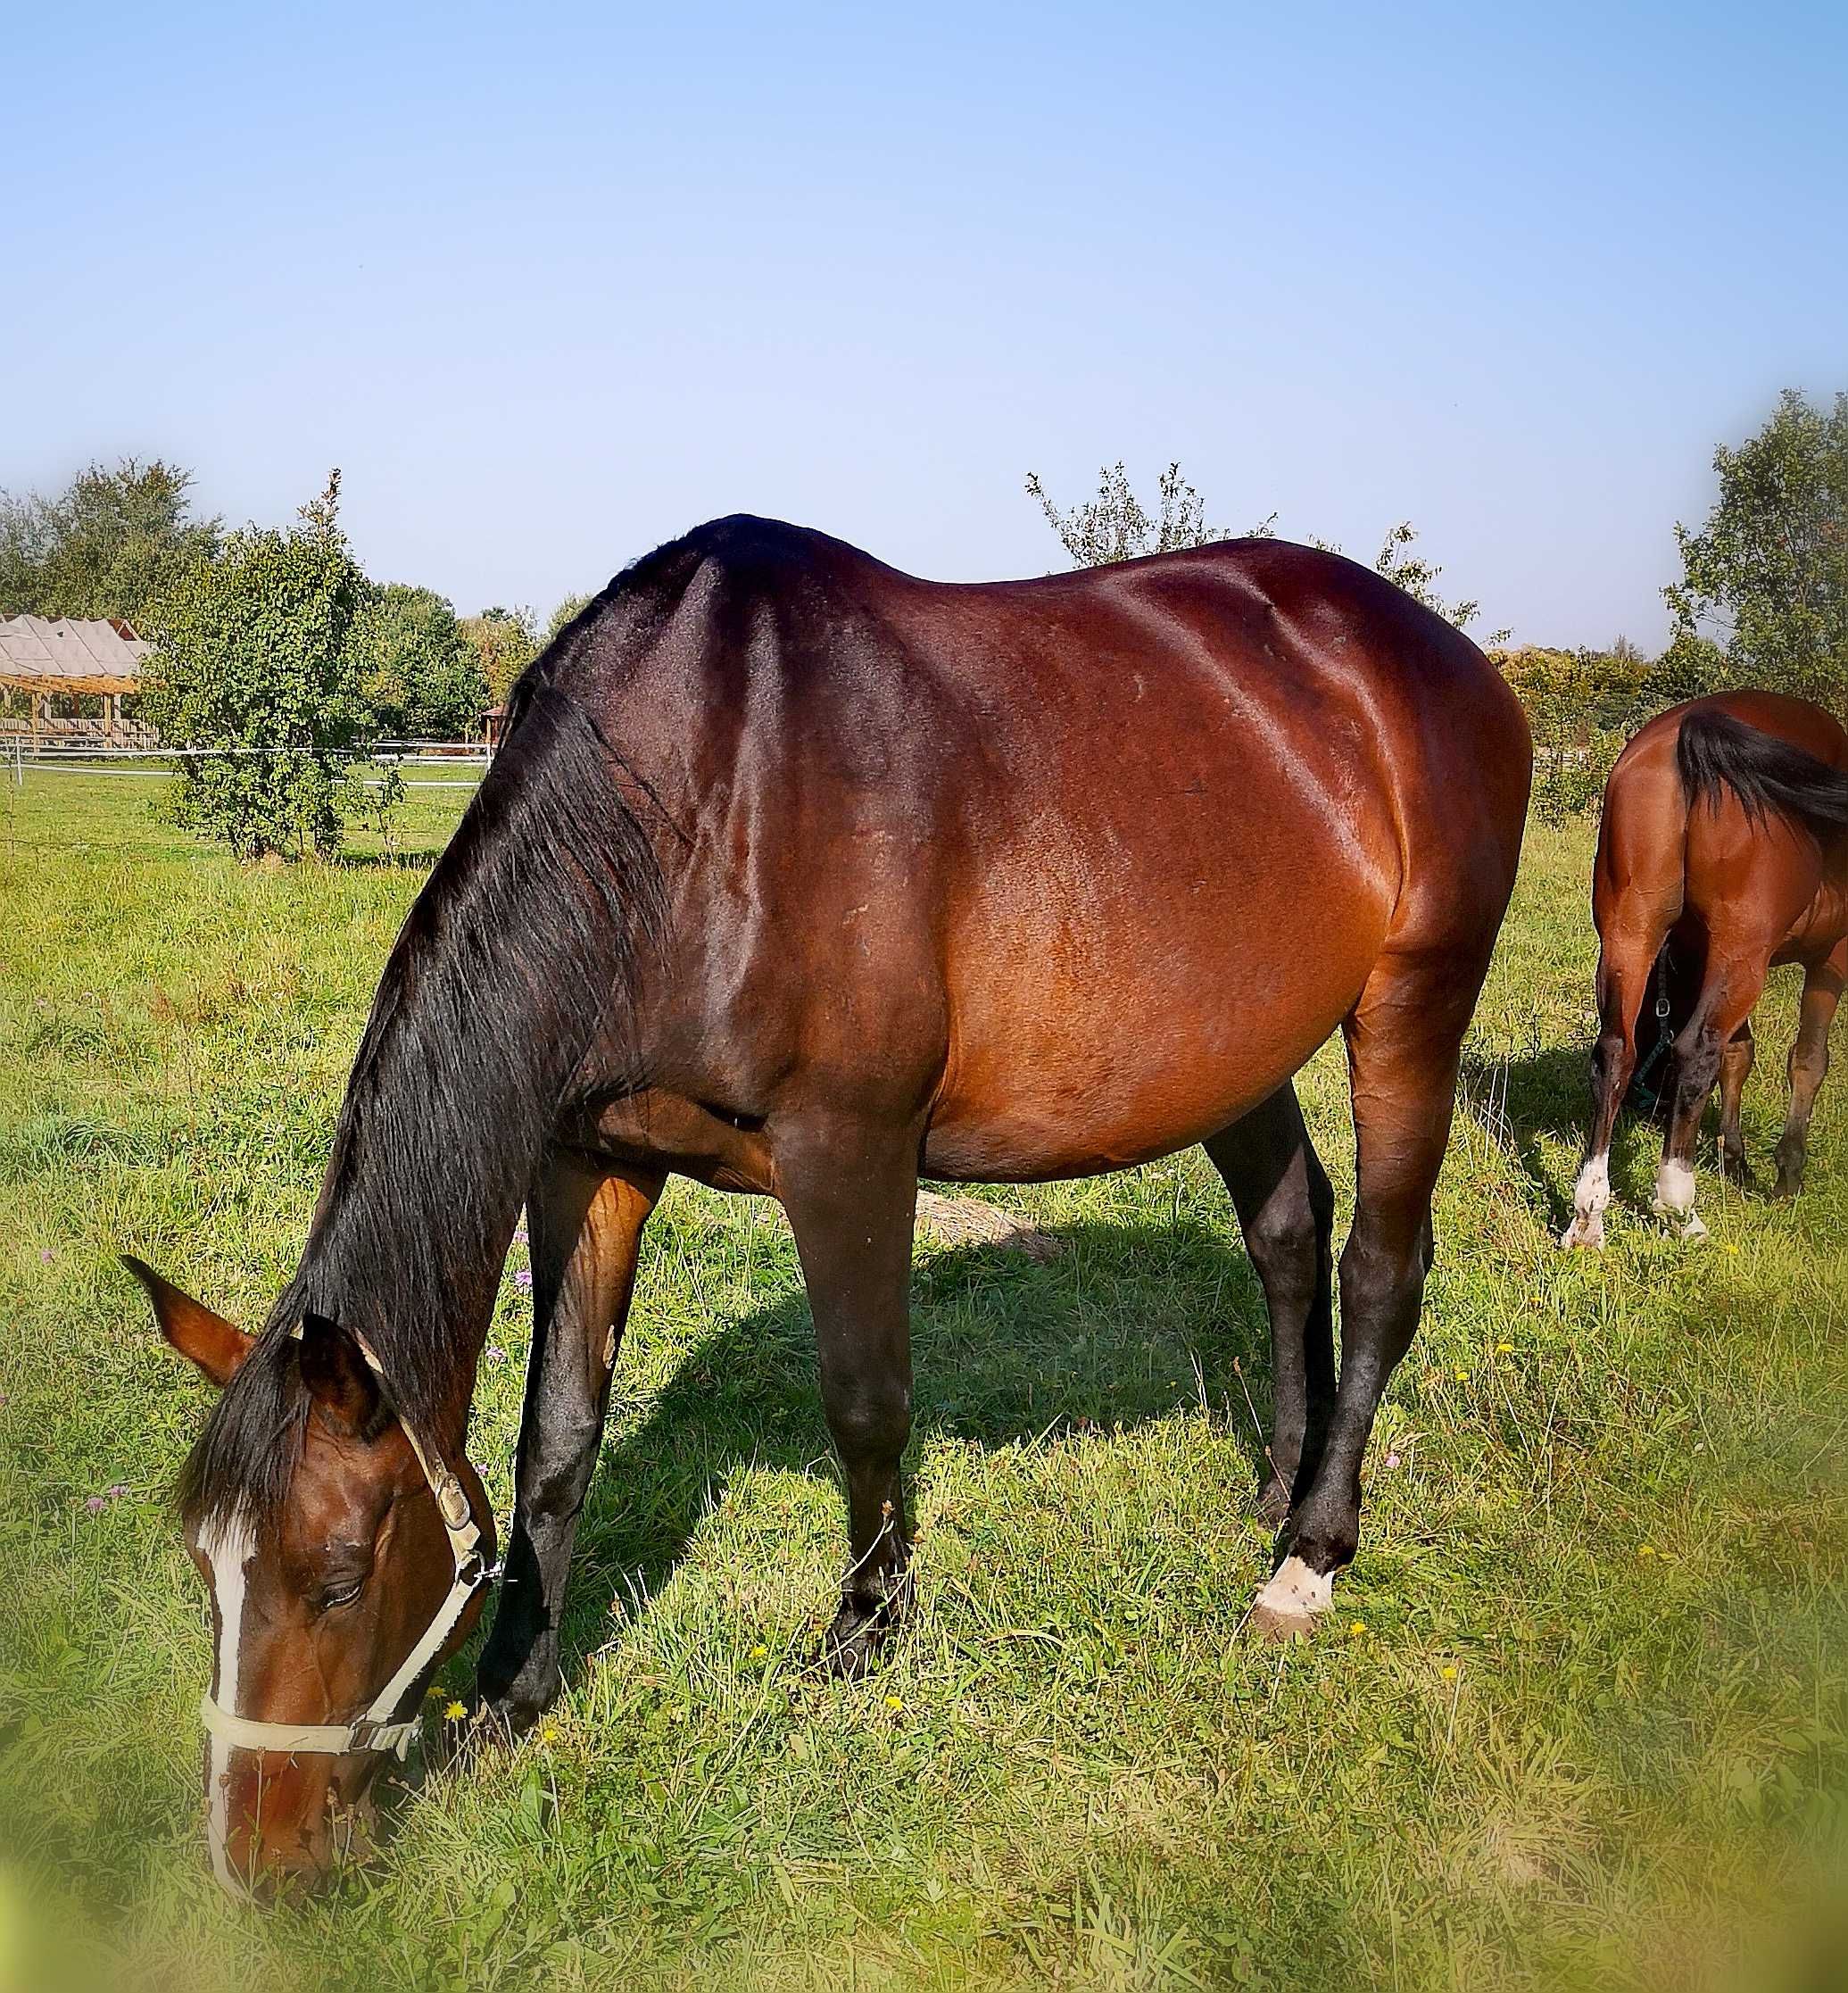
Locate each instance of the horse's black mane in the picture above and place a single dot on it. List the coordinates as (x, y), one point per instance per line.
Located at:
(522, 950)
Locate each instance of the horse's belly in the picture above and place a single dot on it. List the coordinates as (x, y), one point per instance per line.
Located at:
(1069, 1068)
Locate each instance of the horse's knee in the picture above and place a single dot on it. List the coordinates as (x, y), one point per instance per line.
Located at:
(869, 1422)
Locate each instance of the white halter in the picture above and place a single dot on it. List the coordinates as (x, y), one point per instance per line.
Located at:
(378, 1729)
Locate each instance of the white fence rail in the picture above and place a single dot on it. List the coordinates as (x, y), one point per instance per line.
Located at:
(21, 756)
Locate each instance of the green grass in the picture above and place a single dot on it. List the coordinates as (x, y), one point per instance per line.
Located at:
(1581, 1718)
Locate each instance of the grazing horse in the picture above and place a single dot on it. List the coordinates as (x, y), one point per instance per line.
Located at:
(1723, 851)
(798, 875)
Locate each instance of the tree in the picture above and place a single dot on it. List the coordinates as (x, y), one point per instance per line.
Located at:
(254, 659)
(504, 642)
(1765, 580)
(420, 679)
(571, 606)
(113, 544)
(1117, 525)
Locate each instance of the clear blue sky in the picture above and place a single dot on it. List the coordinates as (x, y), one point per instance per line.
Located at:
(552, 284)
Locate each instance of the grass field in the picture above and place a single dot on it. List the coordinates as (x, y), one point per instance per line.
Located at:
(1581, 1717)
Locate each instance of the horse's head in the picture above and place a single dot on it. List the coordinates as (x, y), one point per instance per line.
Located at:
(342, 1558)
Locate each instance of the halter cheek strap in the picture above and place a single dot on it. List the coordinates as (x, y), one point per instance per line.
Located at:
(381, 1729)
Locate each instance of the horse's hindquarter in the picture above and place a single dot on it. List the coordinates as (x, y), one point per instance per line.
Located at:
(1168, 881)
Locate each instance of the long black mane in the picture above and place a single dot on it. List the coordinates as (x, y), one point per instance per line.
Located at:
(521, 953)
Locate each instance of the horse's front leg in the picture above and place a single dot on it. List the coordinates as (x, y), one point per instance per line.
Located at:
(850, 1192)
(586, 1229)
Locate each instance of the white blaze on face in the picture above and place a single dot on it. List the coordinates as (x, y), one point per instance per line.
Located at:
(227, 1547)
(1298, 1590)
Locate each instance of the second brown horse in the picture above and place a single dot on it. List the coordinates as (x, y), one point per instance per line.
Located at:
(1723, 850)
(803, 877)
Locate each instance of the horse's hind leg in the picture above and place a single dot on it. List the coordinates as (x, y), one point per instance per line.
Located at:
(1287, 1211)
(1736, 1063)
(1823, 983)
(1403, 1043)
(1625, 963)
(586, 1234)
(1733, 982)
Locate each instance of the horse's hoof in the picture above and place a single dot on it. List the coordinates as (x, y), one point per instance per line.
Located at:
(1270, 1623)
(1297, 1596)
(850, 1647)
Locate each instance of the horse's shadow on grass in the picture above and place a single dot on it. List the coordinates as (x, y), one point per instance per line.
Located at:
(1127, 1325)
(1547, 1094)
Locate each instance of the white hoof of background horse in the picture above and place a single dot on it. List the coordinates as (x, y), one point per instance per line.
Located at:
(1674, 1198)
(1589, 1199)
(1296, 1598)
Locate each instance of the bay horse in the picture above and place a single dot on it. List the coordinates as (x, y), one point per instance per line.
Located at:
(1723, 851)
(798, 875)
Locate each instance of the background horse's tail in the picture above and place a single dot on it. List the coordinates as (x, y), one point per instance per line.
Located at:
(1769, 776)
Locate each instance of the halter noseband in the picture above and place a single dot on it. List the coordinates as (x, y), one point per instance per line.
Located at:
(377, 1730)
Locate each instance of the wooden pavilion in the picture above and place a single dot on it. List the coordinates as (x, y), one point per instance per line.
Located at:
(95, 658)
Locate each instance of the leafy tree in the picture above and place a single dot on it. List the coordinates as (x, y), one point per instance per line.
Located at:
(563, 614)
(1766, 579)
(113, 544)
(254, 658)
(421, 680)
(504, 642)
(1117, 525)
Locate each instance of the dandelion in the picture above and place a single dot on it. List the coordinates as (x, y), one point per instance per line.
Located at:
(894, 1702)
(1449, 1675)
(1505, 1349)
(453, 1711)
(433, 1693)
(549, 1734)
(1645, 1550)
(1358, 1628)
(760, 1654)
(1462, 1376)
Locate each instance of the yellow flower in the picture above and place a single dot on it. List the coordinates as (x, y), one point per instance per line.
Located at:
(1505, 1349)
(894, 1702)
(1449, 1675)
(1462, 1376)
(549, 1734)
(433, 1693)
(1645, 1550)
(454, 1712)
(760, 1654)
(1358, 1628)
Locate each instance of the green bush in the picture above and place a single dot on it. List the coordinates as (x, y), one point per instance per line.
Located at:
(254, 659)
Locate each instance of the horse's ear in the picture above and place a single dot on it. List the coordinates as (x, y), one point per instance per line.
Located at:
(217, 1345)
(335, 1371)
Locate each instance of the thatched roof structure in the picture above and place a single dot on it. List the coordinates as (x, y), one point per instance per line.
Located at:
(99, 654)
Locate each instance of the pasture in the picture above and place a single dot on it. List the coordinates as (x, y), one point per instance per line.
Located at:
(1580, 1717)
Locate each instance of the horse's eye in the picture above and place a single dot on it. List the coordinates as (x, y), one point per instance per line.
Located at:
(342, 1594)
